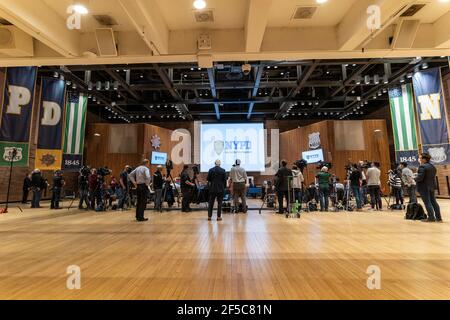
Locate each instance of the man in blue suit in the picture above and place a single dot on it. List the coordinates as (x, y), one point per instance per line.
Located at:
(217, 181)
(426, 184)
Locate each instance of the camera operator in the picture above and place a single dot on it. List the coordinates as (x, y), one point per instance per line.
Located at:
(141, 179)
(374, 185)
(355, 185)
(186, 186)
(282, 185)
(323, 181)
(158, 182)
(37, 185)
(83, 187)
(123, 188)
(238, 177)
(58, 184)
(409, 182)
(93, 188)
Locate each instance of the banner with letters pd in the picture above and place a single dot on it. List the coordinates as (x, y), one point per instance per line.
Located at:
(432, 115)
(51, 115)
(16, 115)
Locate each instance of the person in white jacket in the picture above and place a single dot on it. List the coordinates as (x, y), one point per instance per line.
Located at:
(297, 184)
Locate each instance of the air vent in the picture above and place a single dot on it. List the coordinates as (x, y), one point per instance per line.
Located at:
(411, 11)
(204, 16)
(5, 22)
(302, 13)
(105, 20)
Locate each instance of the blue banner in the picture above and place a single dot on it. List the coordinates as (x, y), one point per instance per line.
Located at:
(51, 113)
(411, 157)
(432, 114)
(17, 109)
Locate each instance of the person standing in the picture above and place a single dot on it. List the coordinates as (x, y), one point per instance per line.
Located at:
(186, 186)
(140, 177)
(123, 188)
(297, 184)
(217, 180)
(94, 189)
(58, 184)
(355, 185)
(374, 185)
(409, 182)
(323, 181)
(26, 188)
(282, 185)
(238, 177)
(37, 185)
(158, 182)
(426, 184)
(395, 182)
(83, 187)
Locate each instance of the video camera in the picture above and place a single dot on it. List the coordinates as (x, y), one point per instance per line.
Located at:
(196, 169)
(103, 171)
(85, 170)
(301, 164)
(169, 165)
(130, 170)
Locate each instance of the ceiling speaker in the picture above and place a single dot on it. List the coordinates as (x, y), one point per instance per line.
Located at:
(106, 42)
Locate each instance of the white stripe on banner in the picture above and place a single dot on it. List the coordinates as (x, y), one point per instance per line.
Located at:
(78, 129)
(70, 131)
(399, 124)
(407, 108)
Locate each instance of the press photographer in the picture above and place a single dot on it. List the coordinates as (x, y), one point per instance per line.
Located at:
(83, 187)
(58, 184)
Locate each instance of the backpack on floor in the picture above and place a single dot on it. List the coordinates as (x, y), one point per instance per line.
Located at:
(414, 211)
(397, 207)
(312, 206)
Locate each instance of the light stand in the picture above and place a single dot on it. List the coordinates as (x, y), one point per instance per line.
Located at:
(12, 157)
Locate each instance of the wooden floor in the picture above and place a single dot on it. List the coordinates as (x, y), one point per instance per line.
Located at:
(183, 256)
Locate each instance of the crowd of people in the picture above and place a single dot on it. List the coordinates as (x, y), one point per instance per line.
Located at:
(363, 182)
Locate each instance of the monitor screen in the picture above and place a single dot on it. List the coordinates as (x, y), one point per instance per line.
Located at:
(159, 158)
(313, 156)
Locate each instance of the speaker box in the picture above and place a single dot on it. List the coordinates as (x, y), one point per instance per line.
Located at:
(106, 42)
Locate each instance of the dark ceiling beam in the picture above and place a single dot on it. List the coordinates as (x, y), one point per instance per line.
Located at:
(258, 76)
(304, 77)
(169, 86)
(212, 85)
(113, 74)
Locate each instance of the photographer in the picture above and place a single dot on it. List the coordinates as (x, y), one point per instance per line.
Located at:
(37, 185)
(374, 185)
(323, 181)
(409, 182)
(186, 186)
(58, 184)
(83, 186)
(26, 188)
(158, 182)
(94, 190)
(238, 177)
(355, 186)
(282, 185)
(124, 186)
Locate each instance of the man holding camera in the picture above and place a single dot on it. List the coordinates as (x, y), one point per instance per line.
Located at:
(141, 180)
(238, 177)
(58, 184)
(83, 187)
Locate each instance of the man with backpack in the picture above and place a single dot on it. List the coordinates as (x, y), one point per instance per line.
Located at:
(426, 177)
(409, 182)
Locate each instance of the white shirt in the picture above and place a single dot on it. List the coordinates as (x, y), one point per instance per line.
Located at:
(373, 175)
(140, 175)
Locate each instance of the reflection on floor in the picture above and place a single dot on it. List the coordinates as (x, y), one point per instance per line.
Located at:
(183, 256)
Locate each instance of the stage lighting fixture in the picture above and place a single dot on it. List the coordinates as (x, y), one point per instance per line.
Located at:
(89, 86)
(402, 79)
(116, 85)
(68, 83)
(98, 102)
(74, 86)
(79, 8)
(55, 74)
(367, 79)
(380, 93)
(374, 97)
(366, 102)
(358, 80)
(99, 85)
(376, 79)
(425, 65)
(94, 99)
(158, 106)
(409, 75)
(385, 79)
(107, 85)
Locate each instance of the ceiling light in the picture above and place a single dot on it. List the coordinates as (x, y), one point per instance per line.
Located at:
(199, 4)
(367, 79)
(425, 65)
(79, 8)
(55, 75)
(97, 134)
(385, 79)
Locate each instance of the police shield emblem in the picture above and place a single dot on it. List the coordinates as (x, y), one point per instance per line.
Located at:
(8, 152)
(314, 140)
(219, 146)
(438, 155)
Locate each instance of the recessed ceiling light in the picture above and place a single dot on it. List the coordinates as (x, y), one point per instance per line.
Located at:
(321, 1)
(199, 4)
(79, 8)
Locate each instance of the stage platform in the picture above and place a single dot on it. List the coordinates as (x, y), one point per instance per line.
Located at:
(183, 256)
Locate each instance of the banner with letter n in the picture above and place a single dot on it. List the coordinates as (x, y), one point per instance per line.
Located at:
(432, 114)
(404, 124)
(51, 120)
(74, 132)
(16, 114)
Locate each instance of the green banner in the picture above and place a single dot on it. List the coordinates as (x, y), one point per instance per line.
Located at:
(6, 150)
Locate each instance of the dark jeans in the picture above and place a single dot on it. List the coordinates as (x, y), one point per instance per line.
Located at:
(298, 196)
(25, 195)
(375, 197)
(141, 193)
(187, 196)
(324, 194)
(398, 195)
(56, 196)
(429, 199)
(412, 194)
(83, 198)
(357, 193)
(158, 199)
(281, 195)
(36, 198)
(212, 198)
(122, 195)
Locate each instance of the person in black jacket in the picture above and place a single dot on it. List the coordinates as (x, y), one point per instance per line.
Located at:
(58, 184)
(217, 179)
(37, 185)
(282, 185)
(158, 182)
(186, 186)
(26, 188)
(426, 185)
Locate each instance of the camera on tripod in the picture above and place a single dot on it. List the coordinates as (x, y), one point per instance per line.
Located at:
(301, 164)
(169, 165)
(196, 169)
(103, 171)
(85, 170)
(322, 164)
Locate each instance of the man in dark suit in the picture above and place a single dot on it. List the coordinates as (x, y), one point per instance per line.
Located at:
(282, 185)
(217, 180)
(426, 184)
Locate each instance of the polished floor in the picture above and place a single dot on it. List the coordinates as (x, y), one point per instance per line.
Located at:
(183, 256)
